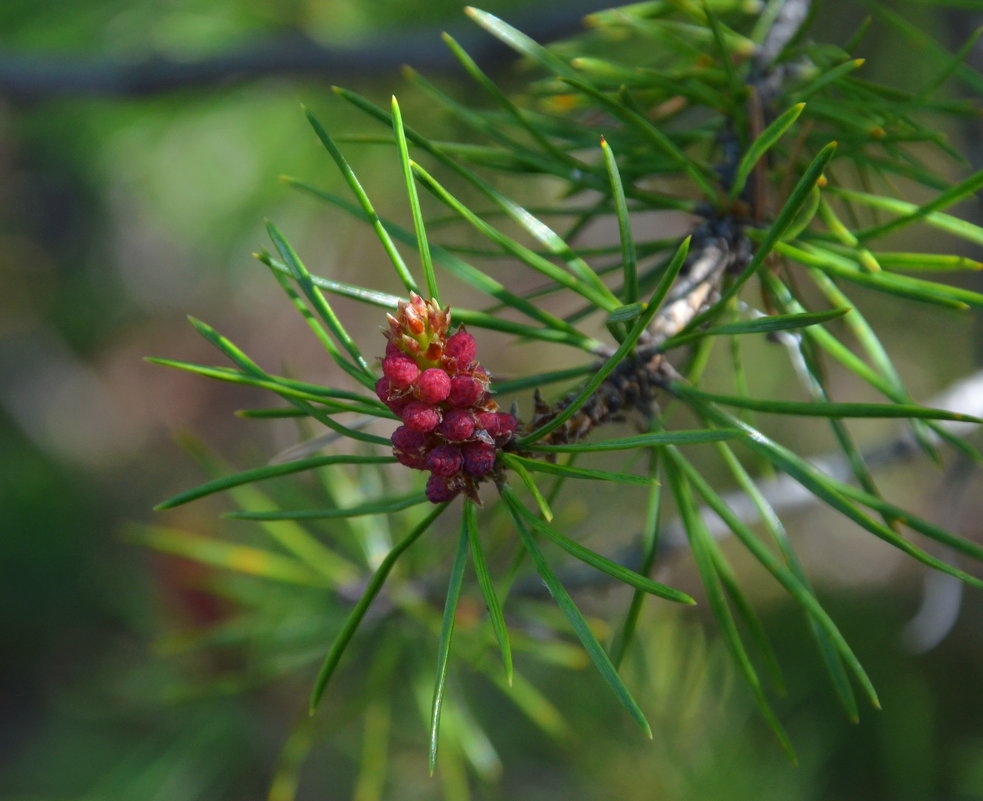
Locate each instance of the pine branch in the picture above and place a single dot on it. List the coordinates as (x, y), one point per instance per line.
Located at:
(784, 493)
(768, 211)
(720, 248)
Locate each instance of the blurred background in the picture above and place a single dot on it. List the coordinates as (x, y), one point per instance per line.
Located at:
(134, 183)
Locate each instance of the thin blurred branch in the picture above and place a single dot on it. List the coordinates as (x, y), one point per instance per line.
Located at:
(791, 16)
(789, 19)
(784, 493)
(34, 78)
(942, 595)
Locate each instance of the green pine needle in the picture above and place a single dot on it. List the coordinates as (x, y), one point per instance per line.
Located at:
(355, 617)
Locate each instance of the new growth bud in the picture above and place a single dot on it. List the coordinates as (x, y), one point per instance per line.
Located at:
(451, 423)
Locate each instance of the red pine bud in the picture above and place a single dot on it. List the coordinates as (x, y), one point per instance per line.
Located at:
(444, 460)
(433, 385)
(457, 425)
(409, 447)
(462, 347)
(395, 399)
(489, 422)
(415, 459)
(507, 424)
(501, 425)
(400, 369)
(465, 391)
(479, 458)
(441, 490)
(420, 416)
(406, 439)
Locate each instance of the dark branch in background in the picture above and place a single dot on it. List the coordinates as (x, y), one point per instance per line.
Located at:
(33, 78)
